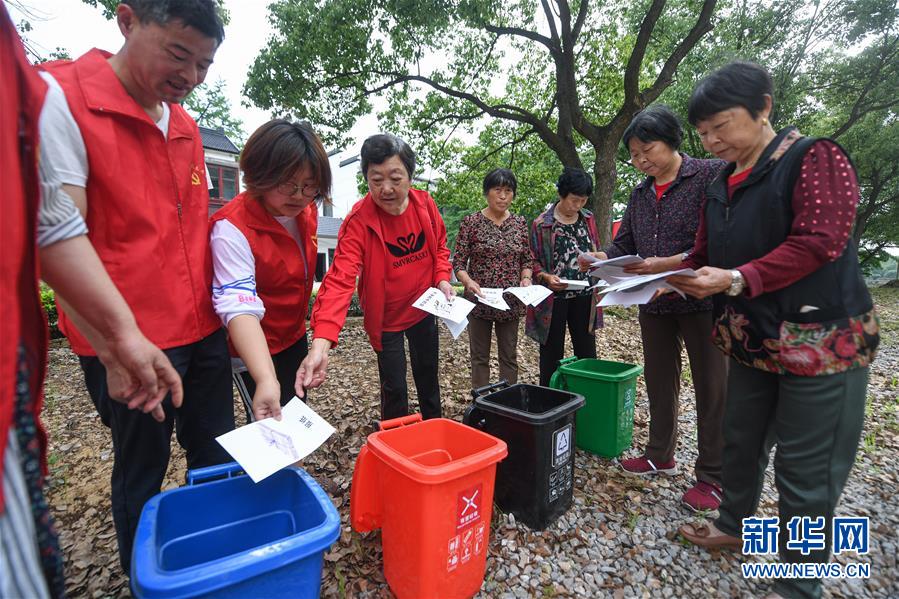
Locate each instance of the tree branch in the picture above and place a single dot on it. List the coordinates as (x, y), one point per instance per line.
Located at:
(551, 20)
(531, 35)
(632, 70)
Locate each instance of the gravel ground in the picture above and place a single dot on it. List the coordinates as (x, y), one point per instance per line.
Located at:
(616, 541)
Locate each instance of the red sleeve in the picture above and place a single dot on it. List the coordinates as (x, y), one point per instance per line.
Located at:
(444, 268)
(699, 257)
(825, 198)
(336, 291)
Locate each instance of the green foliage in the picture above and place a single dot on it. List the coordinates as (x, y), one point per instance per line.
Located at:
(355, 308)
(209, 106)
(48, 302)
(555, 84)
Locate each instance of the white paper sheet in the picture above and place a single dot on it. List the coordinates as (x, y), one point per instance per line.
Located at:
(455, 328)
(640, 289)
(612, 271)
(434, 302)
(266, 446)
(574, 284)
(493, 297)
(531, 295)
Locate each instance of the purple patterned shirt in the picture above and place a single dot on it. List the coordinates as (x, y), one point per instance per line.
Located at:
(668, 226)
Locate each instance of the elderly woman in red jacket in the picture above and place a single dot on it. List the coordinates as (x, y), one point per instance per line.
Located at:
(394, 241)
(264, 250)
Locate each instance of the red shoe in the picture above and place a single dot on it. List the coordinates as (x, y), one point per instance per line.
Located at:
(703, 497)
(643, 466)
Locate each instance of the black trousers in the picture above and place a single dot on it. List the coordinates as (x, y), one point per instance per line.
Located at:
(575, 313)
(286, 362)
(141, 446)
(424, 348)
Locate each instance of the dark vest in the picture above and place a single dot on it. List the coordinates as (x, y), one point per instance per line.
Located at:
(777, 331)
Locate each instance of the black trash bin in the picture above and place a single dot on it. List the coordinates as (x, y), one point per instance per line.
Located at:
(535, 482)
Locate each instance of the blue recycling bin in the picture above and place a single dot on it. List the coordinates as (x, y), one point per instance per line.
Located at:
(224, 536)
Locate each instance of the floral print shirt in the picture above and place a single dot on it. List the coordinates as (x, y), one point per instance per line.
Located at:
(570, 241)
(494, 256)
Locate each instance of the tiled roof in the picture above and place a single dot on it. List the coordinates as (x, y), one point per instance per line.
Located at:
(215, 139)
(328, 226)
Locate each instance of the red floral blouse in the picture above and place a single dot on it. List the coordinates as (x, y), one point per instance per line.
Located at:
(494, 256)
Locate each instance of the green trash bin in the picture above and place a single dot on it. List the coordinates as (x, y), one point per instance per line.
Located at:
(605, 424)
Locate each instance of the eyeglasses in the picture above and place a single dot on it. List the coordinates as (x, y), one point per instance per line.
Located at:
(291, 189)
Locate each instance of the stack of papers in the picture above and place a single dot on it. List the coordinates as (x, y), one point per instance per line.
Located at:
(641, 289)
(628, 289)
(266, 446)
(453, 312)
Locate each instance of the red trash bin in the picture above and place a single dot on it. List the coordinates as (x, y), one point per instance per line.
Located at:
(428, 485)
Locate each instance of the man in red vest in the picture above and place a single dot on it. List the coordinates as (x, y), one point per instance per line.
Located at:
(132, 160)
(37, 214)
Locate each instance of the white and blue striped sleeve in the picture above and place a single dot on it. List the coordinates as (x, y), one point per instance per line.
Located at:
(234, 274)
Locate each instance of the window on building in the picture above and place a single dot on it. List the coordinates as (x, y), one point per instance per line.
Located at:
(224, 182)
(330, 257)
(327, 209)
(320, 268)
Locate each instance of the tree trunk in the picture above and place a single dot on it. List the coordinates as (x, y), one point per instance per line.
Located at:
(605, 175)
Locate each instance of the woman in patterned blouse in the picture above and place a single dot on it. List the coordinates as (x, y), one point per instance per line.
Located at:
(558, 236)
(492, 252)
(660, 224)
(792, 312)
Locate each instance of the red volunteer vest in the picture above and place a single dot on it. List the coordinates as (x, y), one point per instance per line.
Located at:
(21, 98)
(283, 282)
(147, 205)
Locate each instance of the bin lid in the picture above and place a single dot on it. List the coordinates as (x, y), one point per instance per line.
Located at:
(530, 403)
(437, 450)
(601, 370)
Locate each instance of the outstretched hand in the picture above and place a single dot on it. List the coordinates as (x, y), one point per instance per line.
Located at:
(140, 375)
(314, 368)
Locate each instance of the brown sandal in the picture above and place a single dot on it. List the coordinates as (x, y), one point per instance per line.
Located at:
(698, 534)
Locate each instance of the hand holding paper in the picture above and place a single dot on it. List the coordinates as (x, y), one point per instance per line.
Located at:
(265, 446)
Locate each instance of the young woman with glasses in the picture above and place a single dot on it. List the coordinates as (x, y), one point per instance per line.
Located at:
(264, 247)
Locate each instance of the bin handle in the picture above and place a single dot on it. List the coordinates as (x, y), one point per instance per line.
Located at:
(568, 360)
(401, 421)
(501, 384)
(200, 475)
(556, 380)
(472, 417)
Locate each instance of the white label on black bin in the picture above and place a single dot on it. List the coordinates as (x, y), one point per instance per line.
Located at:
(562, 441)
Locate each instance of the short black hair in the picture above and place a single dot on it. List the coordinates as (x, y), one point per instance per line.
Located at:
(735, 84)
(500, 177)
(379, 148)
(203, 15)
(576, 181)
(656, 123)
(277, 150)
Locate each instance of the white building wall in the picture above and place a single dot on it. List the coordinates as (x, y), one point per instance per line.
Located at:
(344, 186)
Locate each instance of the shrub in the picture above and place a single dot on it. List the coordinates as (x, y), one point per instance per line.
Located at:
(355, 308)
(48, 301)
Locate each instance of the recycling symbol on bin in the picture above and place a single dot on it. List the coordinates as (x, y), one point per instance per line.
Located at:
(561, 446)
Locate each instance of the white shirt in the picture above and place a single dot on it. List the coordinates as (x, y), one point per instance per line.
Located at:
(234, 270)
(62, 137)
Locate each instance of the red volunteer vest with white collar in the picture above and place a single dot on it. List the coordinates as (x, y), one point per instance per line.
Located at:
(147, 201)
(21, 97)
(283, 281)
